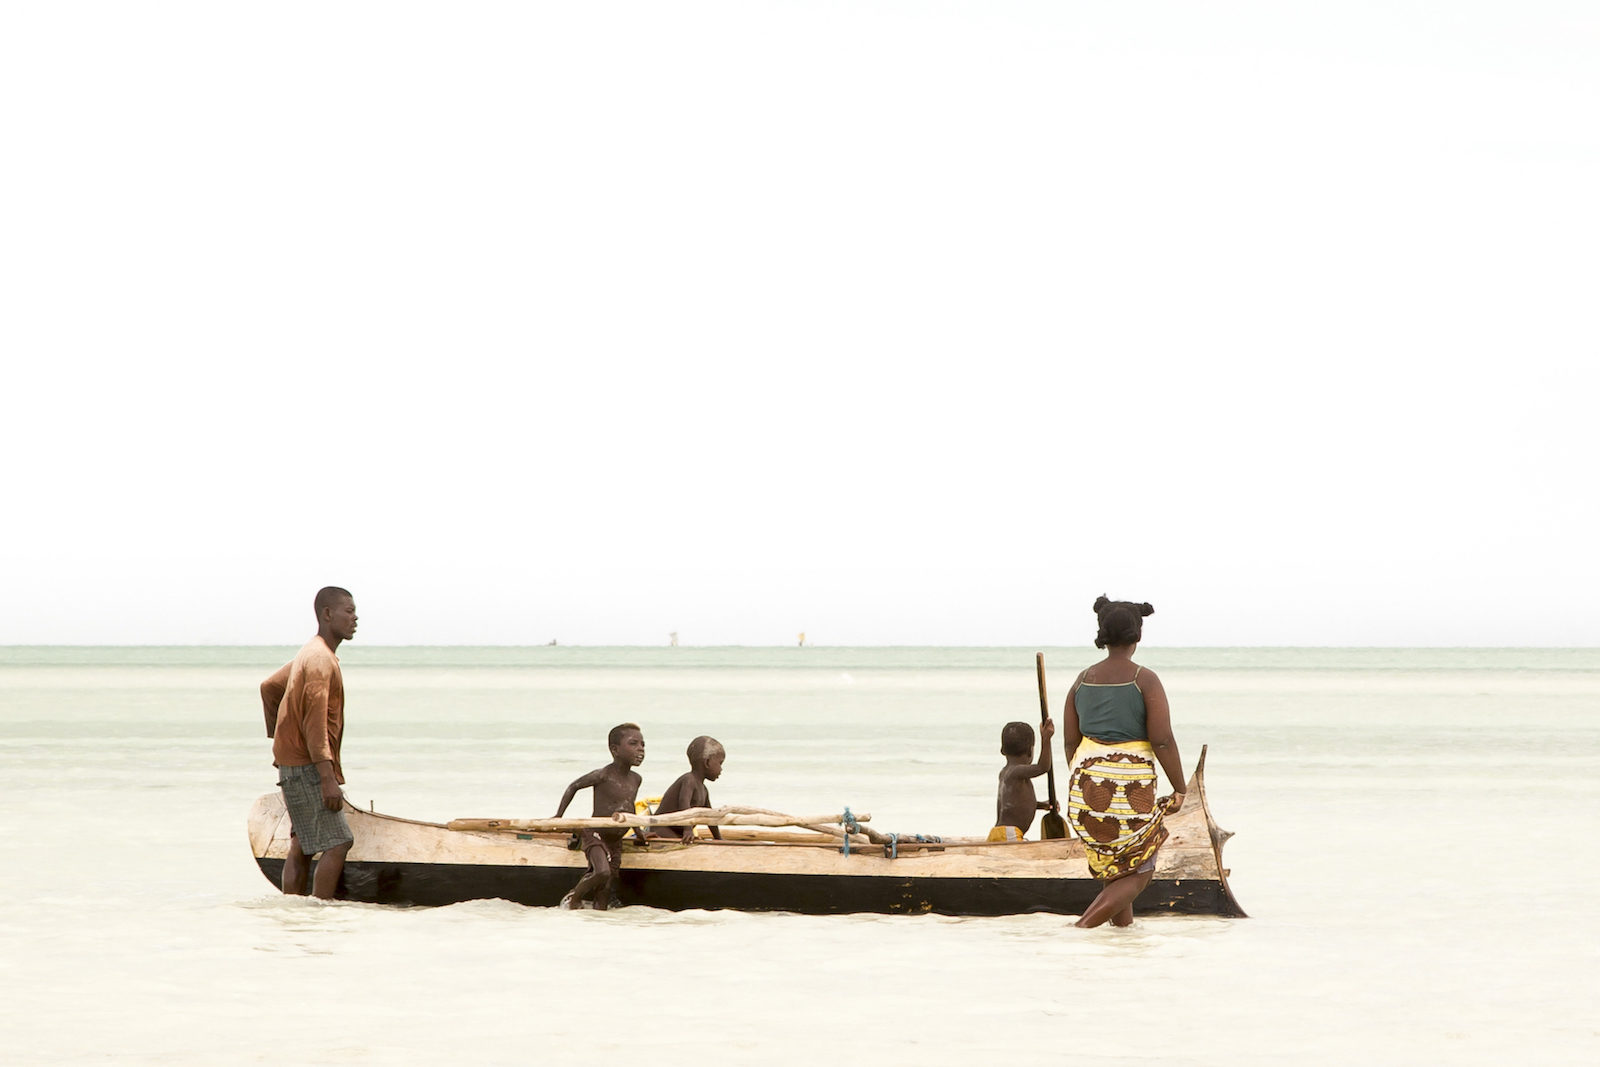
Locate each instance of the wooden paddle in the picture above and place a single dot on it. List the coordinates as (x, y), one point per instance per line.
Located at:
(1052, 826)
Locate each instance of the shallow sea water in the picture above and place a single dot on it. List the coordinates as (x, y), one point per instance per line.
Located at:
(1410, 847)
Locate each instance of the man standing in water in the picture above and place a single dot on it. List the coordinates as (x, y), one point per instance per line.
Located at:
(303, 703)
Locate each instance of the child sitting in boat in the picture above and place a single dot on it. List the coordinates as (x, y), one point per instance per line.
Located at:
(616, 786)
(1016, 803)
(689, 791)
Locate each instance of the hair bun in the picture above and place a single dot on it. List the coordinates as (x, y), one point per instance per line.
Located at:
(1101, 603)
(1146, 609)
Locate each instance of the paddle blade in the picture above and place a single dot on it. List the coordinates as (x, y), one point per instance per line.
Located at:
(1052, 827)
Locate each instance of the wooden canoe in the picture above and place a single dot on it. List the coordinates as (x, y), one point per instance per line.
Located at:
(405, 862)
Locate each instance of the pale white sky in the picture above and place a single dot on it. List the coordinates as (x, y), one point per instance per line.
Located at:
(889, 322)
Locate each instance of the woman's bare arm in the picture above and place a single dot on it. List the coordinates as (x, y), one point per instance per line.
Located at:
(1158, 726)
(1071, 736)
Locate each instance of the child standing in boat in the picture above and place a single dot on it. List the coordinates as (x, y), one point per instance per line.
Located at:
(689, 791)
(616, 786)
(1016, 802)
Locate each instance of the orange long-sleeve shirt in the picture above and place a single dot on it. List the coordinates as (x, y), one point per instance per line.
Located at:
(309, 691)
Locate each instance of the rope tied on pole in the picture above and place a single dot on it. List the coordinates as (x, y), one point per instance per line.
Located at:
(891, 847)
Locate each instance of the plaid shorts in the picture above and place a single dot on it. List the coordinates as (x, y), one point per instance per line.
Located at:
(317, 828)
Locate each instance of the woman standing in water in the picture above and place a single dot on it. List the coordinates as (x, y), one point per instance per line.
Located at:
(1117, 726)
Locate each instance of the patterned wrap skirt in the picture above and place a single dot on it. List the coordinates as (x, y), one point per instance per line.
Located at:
(1112, 806)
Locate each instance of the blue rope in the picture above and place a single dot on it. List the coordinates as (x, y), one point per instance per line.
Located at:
(892, 849)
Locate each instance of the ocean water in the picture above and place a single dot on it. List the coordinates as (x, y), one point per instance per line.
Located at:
(1412, 846)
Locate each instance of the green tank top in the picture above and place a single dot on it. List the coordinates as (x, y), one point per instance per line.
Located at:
(1111, 712)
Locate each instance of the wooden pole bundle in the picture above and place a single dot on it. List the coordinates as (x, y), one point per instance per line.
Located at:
(754, 819)
(729, 816)
(750, 826)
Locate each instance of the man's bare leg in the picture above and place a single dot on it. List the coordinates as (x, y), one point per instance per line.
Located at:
(1116, 899)
(326, 881)
(296, 865)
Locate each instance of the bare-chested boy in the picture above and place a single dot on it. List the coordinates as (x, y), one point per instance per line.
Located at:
(616, 786)
(689, 791)
(1016, 803)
